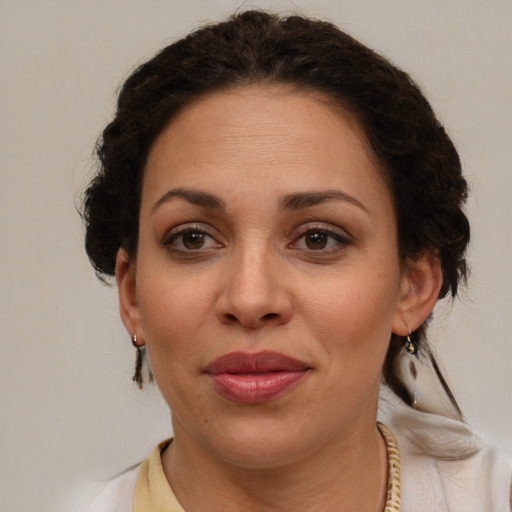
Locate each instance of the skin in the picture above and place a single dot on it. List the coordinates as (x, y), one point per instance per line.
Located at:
(319, 280)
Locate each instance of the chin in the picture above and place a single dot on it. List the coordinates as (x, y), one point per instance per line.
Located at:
(265, 441)
(259, 451)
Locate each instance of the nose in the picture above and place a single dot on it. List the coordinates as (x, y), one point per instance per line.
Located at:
(254, 292)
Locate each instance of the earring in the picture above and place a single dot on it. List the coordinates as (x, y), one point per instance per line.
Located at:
(410, 343)
(137, 376)
(140, 362)
(410, 366)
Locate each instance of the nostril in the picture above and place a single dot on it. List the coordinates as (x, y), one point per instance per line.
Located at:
(232, 318)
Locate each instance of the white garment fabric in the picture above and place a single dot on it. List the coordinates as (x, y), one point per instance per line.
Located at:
(117, 495)
(445, 467)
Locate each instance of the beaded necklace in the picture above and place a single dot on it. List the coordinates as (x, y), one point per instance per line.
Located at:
(393, 493)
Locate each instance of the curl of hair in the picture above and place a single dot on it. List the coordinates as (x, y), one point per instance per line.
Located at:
(415, 154)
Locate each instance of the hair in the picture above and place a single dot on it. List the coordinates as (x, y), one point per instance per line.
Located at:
(417, 158)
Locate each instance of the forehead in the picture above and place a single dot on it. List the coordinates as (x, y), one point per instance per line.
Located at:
(277, 132)
(257, 110)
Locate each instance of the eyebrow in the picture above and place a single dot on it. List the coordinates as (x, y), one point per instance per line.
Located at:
(307, 199)
(295, 201)
(196, 197)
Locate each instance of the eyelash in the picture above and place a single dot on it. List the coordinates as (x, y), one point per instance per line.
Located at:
(340, 241)
(178, 234)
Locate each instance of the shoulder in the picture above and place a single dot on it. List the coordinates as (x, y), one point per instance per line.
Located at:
(478, 481)
(445, 466)
(117, 495)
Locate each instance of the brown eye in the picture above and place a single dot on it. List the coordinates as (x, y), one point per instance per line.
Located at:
(321, 241)
(190, 240)
(193, 240)
(316, 240)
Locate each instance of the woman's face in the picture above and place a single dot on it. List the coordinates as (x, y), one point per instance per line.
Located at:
(267, 281)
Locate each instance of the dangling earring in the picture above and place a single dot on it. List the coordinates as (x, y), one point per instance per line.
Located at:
(410, 344)
(137, 376)
(411, 347)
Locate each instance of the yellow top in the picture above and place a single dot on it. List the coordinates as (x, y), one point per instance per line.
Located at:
(154, 494)
(152, 491)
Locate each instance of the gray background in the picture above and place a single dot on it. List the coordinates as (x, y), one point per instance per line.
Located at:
(70, 415)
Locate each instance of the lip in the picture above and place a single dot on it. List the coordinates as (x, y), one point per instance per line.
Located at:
(251, 378)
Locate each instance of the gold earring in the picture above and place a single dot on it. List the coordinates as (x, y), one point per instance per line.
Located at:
(410, 344)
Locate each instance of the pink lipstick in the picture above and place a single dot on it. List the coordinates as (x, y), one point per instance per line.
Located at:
(248, 378)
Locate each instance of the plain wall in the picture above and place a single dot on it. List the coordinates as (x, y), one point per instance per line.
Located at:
(70, 414)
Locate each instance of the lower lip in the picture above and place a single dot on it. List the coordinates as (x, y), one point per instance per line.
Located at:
(254, 388)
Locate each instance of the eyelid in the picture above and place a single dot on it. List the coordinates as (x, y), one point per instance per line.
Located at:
(341, 236)
(322, 226)
(189, 227)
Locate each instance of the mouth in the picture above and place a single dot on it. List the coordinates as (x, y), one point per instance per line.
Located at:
(248, 378)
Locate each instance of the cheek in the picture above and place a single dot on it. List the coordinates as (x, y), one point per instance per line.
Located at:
(173, 312)
(352, 314)
(172, 302)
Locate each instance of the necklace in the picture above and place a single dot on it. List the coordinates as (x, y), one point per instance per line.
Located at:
(393, 494)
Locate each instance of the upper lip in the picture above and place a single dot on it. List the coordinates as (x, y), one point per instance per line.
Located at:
(258, 362)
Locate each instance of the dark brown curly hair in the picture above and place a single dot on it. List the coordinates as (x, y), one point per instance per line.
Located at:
(418, 158)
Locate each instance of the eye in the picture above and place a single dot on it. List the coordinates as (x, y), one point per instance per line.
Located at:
(320, 240)
(190, 239)
(316, 240)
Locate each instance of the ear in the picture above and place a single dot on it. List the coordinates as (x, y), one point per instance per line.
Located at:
(127, 292)
(420, 284)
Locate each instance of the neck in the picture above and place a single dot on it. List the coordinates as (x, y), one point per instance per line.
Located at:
(349, 473)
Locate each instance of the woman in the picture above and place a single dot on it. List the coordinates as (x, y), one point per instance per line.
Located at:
(281, 210)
